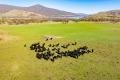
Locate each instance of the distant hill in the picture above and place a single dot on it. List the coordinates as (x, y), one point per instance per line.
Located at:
(48, 11)
(36, 10)
(107, 16)
(6, 8)
(21, 14)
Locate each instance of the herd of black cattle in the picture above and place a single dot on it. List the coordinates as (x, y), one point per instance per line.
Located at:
(54, 51)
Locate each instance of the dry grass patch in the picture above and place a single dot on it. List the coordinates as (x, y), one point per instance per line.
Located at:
(4, 36)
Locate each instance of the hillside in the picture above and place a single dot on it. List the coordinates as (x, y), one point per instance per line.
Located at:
(21, 14)
(108, 15)
(38, 9)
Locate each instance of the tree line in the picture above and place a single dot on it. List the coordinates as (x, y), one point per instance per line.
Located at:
(17, 21)
(104, 19)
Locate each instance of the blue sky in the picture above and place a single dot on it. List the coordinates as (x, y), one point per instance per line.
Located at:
(76, 6)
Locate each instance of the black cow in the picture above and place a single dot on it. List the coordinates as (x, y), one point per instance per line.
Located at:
(25, 45)
(39, 56)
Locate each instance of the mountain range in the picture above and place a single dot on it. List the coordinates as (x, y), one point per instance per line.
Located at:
(38, 11)
(106, 15)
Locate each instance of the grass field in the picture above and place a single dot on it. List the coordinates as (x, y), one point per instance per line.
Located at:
(19, 63)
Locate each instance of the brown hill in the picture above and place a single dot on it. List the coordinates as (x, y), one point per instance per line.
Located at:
(21, 14)
(107, 16)
(38, 9)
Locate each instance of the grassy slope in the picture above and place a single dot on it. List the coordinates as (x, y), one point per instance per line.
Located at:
(19, 63)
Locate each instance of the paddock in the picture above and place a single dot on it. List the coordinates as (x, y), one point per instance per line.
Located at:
(20, 63)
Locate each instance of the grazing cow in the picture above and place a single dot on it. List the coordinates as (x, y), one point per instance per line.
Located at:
(52, 59)
(84, 47)
(53, 49)
(74, 43)
(39, 50)
(68, 45)
(46, 39)
(45, 56)
(64, 46)
(43, 44)
(65, 54)
(32, 47)
(50, 45)
(88, 51)
(44, 49)
(59, 55)
(51, 38)
(38, 46)
(92, 50)
(55, 57)
(25, 45)
(48, 49)
(57, 45)
(39, 56)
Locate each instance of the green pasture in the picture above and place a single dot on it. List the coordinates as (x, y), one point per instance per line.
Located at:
(19, 63)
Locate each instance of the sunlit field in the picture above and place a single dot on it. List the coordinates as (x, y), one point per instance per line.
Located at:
(19, 63)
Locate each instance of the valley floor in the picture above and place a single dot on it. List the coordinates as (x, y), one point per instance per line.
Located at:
(19, 63)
